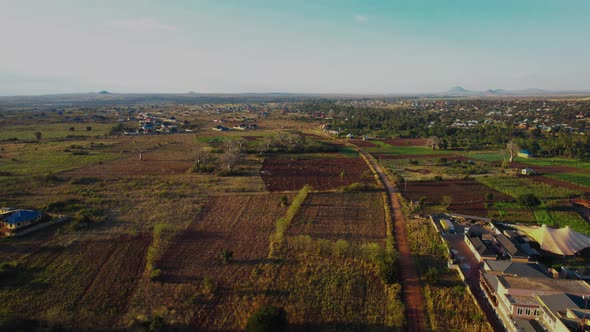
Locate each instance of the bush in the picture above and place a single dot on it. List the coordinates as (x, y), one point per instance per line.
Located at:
(528, 200)
(226, 256)
(387, 263)
(437, 178)
(359, 186)
(209, 285)
(267, 318)
(284, 200)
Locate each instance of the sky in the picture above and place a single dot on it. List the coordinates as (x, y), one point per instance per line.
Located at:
(296, 46)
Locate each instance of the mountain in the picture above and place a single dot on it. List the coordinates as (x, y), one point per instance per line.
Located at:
(104, 92)
(458, 91)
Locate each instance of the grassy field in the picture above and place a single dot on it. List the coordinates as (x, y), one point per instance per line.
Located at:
(485, 156)
(55, 130)
(582, 179)
(404, 150)
(515, 186)
(556, 162)
(53, 157)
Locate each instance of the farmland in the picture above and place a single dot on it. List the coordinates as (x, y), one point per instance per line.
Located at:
(321, 174)
(197, 229)
(83, 285)
(466, 196)
(353, 217)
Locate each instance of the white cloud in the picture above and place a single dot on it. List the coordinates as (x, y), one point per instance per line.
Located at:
(144, 24)
(361, 18)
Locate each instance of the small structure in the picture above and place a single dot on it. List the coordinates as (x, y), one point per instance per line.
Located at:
(349, 136)
(524, 154)
(220, 128)
(527, 171)
(447, 225)
(16, 219)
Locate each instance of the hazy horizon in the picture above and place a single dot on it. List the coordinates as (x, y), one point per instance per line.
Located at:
(300, 47)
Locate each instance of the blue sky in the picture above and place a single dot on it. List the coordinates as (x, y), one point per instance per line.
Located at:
(320, 46)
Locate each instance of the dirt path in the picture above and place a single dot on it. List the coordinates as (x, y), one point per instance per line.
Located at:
(411, 289)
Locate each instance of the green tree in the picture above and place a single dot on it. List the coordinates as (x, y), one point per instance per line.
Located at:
(529, 201)
(38, 135)
(268, 318)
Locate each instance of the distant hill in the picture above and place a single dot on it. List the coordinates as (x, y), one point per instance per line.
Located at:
(104, 92)
(458, 91)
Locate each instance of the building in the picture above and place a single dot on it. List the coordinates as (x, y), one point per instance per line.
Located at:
(524, 154)
(480, 249)
(510, 249)
(532, 301)
(17, 219)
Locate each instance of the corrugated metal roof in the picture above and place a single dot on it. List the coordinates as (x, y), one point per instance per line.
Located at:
(22, 216)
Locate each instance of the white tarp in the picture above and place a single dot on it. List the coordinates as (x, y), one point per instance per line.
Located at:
(561, 241)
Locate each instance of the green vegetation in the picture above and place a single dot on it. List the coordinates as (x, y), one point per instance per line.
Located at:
(50, 131)
(283, 223)
(515, 186)
(581, 179)
(162, 234)
(528, 200)
(268, 318)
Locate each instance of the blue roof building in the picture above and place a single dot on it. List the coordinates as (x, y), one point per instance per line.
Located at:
(20, 218)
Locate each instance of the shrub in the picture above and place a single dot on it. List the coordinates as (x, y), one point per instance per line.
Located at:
(437, 178)
(529, 200)
(284, 200)
(154, 274)
(387, 263)
(209, 285)
(359, 186)
(267, 318)
(226, 256)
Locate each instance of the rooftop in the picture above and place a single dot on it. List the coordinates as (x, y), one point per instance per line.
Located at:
(529, 270)
(21, 216)
(481, 247)
(541, 285)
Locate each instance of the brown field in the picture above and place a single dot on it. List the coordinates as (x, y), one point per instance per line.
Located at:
(545, 169)
(83, 285)
(407, 141)
(467, 195)
(433, 157)
(355, 217)
(362, 143)
(239, 223)
(321, 174)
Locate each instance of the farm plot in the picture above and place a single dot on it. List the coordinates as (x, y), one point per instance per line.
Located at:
(321, 174)
(407, 141)
(332, 294)
(152, 163)
(355, 217)
(241, 224)
(467, 196)
(423, 159)
(84, 285)
(363, 144)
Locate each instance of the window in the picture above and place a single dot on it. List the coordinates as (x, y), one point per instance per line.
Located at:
(519, 311)
(528, 311)
(537, 312)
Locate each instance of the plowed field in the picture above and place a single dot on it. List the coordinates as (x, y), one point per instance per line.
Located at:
(407, 141)
(356, 217)
(321, 174)
(84, 285)
(467, 195)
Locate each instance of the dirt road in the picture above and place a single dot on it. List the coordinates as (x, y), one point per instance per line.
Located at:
(411, 289)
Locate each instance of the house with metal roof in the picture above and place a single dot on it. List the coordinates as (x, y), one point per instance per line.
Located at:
(19, 218)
